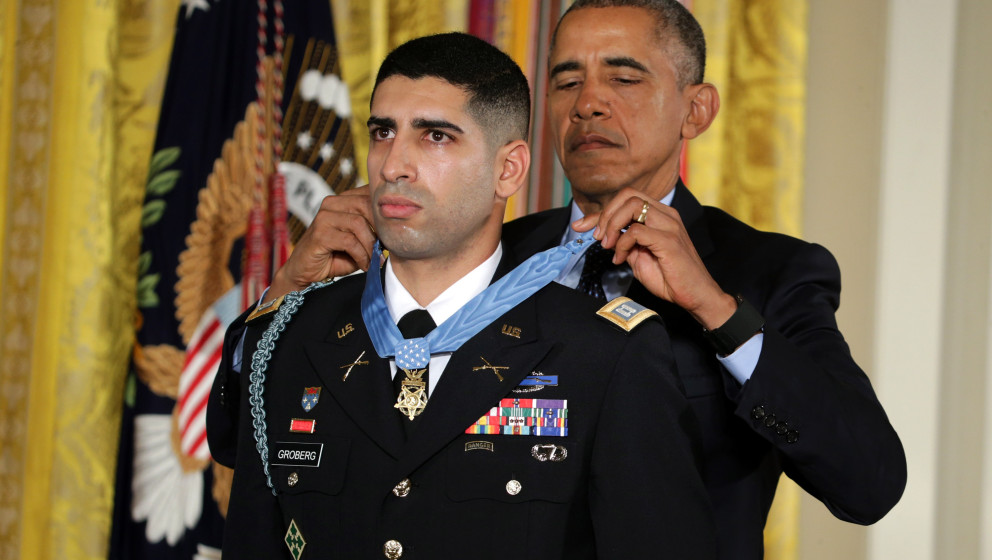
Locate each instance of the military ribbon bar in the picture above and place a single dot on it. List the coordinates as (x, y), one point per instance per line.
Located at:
(524, 417)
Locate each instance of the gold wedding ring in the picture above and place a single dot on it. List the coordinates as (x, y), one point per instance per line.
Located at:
(644, 213)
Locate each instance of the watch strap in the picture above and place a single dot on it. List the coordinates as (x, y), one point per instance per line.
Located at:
(738, 329)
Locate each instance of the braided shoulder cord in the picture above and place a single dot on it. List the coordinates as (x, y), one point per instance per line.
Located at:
(260, 364)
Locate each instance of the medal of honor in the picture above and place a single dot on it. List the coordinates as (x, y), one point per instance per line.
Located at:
(413, 394)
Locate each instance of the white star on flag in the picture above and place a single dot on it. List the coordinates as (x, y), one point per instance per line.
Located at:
(304, 140)
(347, 168)
(326, 151)
(193, 5)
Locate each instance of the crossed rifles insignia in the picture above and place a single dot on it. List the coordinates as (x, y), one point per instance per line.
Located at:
(489, 366)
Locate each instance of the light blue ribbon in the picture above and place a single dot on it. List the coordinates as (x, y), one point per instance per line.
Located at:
(501, 296)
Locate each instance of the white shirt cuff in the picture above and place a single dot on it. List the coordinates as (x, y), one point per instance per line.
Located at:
(742, 362)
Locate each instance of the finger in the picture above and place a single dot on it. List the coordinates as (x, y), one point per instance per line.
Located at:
(357, 239)
(357, 191)
(336, 243)
(637, 235)
(663, 215)
(332, 237)
(661, 232)
(610, 210)
(586, 222)
(333, 207)
(356, 203)
(620, 218)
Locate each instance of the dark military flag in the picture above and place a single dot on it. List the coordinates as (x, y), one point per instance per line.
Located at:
(171, 497)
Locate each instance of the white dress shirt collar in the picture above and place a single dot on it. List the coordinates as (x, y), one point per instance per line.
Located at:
(400, 302)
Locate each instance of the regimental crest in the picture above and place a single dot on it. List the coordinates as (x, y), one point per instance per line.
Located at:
(311, 396)
(294, 540)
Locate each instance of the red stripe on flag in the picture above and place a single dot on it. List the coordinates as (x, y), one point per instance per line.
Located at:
(201, 340)
(201, 405)
(204, 371)
(198, 443)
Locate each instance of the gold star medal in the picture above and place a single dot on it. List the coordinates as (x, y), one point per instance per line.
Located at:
(413, 393)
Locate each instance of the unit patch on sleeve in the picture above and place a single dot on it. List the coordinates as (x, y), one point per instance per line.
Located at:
(294, 540)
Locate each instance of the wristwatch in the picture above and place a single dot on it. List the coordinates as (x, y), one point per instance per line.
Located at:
(739, 328)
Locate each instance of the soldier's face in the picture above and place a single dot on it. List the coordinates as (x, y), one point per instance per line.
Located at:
(431, 173)
(614, 102)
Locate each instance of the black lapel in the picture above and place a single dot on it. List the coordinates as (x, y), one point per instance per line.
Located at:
(366, 394)
(464, 394)
(538, 232)
(691, 212)
(507, 262)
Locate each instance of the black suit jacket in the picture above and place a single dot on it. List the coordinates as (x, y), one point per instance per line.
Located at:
(842, 448)
(628, 487)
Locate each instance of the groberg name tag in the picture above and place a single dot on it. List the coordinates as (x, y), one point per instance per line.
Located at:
(296, 454)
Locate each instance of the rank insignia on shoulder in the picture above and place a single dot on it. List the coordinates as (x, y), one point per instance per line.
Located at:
(625, 313)
(264, 309)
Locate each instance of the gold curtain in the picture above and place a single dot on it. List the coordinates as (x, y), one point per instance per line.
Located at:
(750, 162)
(80, 90)
(366, 30)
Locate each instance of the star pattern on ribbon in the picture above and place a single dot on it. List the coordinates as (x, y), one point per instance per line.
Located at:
(413, 353)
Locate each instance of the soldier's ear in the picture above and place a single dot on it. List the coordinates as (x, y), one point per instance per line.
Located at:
(512, 163)
(704, 104)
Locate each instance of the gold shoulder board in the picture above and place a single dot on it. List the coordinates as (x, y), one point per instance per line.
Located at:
(625, 313)
(264, 309)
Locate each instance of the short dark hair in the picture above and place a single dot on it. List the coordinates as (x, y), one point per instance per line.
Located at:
(677, 28)
(498, 94)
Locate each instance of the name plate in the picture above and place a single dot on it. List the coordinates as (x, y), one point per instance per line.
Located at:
(296, 454)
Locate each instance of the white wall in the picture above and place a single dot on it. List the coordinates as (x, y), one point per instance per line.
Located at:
(898, 187)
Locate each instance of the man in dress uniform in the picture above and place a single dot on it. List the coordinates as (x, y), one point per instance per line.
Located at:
(444, 406)
(750, 314)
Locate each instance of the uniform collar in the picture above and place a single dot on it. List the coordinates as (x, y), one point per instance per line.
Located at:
(400, 302)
